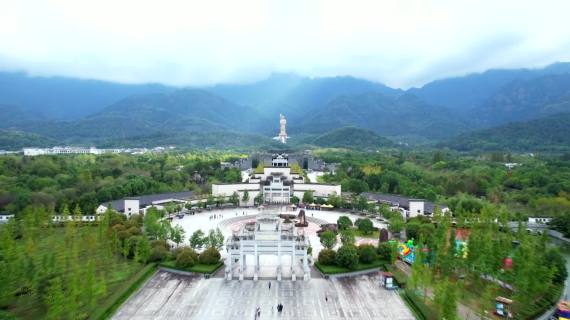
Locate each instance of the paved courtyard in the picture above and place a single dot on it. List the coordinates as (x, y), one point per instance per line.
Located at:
(170, 296)
(231, 219)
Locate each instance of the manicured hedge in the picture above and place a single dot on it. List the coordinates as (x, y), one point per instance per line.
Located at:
(334, 269)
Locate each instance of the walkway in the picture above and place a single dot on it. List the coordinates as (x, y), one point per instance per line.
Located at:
(169, 296)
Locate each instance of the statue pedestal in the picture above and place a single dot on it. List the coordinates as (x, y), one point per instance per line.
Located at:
(255, 276)
(241, 276)
(293, 277)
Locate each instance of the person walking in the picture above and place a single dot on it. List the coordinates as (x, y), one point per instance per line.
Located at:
(269, 285)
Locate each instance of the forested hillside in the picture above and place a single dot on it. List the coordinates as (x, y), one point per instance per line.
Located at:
(548, 134)
(352, 138)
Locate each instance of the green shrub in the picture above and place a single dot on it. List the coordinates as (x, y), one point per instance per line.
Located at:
(210, 256)
(365, 226)
(385, 251)
(344, 223)
(159, 243)
(157, 254)
(367, 253)
(184, 259)
(327, 257)
(347, 256)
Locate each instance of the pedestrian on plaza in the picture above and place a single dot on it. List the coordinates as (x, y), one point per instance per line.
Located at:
(326, 298)
(269, 285)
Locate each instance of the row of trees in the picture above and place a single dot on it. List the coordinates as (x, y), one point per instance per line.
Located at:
(63, 271)
(88, 180)
(538, 185)
(450, 271)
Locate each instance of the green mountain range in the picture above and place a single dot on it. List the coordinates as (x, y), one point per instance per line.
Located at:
(39, 111)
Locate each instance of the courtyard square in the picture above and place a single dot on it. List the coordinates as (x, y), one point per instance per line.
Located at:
(170, 296)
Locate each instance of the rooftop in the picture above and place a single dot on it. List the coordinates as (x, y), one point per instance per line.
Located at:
(147, 200)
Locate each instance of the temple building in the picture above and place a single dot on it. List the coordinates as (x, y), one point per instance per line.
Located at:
(268, 235)
(277, 183)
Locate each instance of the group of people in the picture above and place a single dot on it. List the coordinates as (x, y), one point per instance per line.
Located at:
(243, 213)
(258, 311)
(216, 216)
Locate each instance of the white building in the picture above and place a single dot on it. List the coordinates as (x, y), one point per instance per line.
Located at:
(277, 184)
(5, 217)
(137, 205)
(409, 207)
(267, 236)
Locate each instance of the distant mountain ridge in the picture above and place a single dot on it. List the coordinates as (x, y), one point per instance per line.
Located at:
(388, 116)
(61, 98)
(95, 112)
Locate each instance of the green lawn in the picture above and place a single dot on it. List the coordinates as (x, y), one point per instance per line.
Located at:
(374, 235)
(199, 268)
(332, 269)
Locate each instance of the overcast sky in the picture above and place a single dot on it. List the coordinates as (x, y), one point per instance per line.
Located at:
(400, 42)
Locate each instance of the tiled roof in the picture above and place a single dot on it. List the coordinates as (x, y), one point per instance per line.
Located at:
(147, 200)
(401, 201)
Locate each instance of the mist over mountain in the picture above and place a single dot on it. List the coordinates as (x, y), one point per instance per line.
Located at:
(60, 98)
(66, 110)
(294, 95)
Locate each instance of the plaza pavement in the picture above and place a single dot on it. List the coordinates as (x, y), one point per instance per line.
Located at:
(170, 296)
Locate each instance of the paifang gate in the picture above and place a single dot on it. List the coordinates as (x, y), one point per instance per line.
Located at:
(268, 235)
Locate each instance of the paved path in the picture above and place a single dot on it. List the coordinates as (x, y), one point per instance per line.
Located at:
(170, 296)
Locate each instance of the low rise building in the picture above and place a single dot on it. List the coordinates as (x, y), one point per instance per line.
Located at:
(137, 205)
(276, 184)
(409, 207)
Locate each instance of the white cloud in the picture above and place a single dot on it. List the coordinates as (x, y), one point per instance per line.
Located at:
(401, 43)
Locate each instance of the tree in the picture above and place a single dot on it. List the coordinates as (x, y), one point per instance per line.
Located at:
(367, 253)
(178, 234)
(184, 260)
(295, 200)
(197, 239)
(328, 239)
(308, 197)
(151, 223)
(396, 223)
(445, 299)
(366, 226)
(211, 200)
(327, 257)
(385, 251)
(245, 197)
(234, 198)
(347, 256)
(362, 203)
(210, 256)
(258, 200)
(347, 237)
(55, 300)
(219, 239)
(215, 238)
(143, 250)
(344, 223)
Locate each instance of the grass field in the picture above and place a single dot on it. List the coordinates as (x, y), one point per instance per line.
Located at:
(374, 235)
